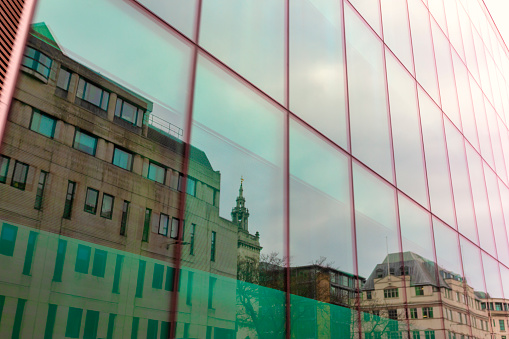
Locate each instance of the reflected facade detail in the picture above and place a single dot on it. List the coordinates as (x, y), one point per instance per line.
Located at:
(259, 169)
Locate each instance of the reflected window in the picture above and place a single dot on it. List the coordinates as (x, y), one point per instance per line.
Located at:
(419, 290)
(156, 172)
(213, 246)
(391, 293)
(73, 327)
(93, 94)
(174, 232)
(85, 142)
(128, 112)
(19, 177)
(122, 159)
(368, 295)
(43, 124)
(8, 239)
(64, 79)
(157, 278)
(82, 259)
(91, 200)
(69, 198)
(146, 224)
(4, 168)
(427, 312)
(212, 286)
(413, 313)
(37, 61)
(163, 224)
(393, 314)
(429, 334)
(191, 186)
(99, 265)
(107, 206)
(125, 214)
(40, 190)
(191, 242)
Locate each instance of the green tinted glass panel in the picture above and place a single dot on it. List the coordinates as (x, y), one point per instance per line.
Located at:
(50, 321)
(72, 330)
(99, 266)
(134, 328)
(8, 239)
(157, 280)
(118, 270)
(152, 329)
(59, 261)
(27, 266)
(141, 279)
(82, 259)
(43, 124)
(111, 326)
(91, 324)
(18, 319)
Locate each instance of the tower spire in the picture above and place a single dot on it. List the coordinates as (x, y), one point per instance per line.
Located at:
(240, 213)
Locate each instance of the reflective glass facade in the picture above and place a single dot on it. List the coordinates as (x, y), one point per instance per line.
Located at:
(256, 169)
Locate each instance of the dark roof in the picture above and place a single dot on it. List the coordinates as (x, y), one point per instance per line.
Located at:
(421, 270)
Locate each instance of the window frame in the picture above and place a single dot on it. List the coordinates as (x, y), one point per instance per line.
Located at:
(106, 214)
(146, 225)
(427, 312)
(4, 167)
(419, 290)
(163, 229)
(125, 216)
(213, 245)
(119, 111)
(174, 229)
(93, 208)
(413, 313)
(60, 72)
(76, 144)
(130, 158)
(69, 199)
(192, 235)
(153, 164)
(84, 94)
(42, 115)
(40, 189)
(21, 185)
(390, 293)
(35, 62)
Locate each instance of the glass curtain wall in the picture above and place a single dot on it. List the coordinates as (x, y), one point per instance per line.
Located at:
(257, 169)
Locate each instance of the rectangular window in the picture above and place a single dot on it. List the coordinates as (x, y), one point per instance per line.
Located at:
(134, 328)
(429, 334)
(99, 265)
(141, 279)
(107, 206)
(192, 235)
(419, 290)
(163, 224)
(111, 326)
(416, 335)
(191, 186)
(82, 259)
(91, 324)
(93, 94)
(393, 314)
(157, 278)
(174, 233)
(180, 183)
(85, 142)
(152, 328)
(118, 271)
(170, 273)
(43, 124)
(123, 221)
(59, 261)
(29, 256)
(73, 328)
(4, 168)
(8, 239)
(40, 190)
(502, 325)
(37, 61)
(213, 246)
(129, 112)
(156, 173)
(91, 200)
(391, 293)
(50, 321)
(165, 329)
(427, 312)
(413, 313)
(122, 159)
(64, 79)
(212, 286)
(189, 295)
(146, 224)
(19, 177)
(69, 198)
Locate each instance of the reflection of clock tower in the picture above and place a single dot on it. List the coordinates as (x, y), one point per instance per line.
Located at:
(240, 213)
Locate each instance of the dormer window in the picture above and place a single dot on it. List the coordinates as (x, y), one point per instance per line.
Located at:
(129, 112)
(379, 273)
(37, 61)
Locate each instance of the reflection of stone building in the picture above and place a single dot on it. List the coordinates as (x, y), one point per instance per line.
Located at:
(434, 305)
(499, 312)
(89, 200)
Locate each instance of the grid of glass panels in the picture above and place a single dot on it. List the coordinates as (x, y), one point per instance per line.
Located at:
(347, 165)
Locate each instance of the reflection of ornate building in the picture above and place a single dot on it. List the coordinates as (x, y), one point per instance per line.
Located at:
(447, 303)
(499, 312)
(89, 199)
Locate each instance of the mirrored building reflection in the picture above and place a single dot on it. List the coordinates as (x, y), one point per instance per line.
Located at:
(253, 169)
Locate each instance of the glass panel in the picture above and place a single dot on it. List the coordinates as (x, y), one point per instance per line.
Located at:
(482, 124)
(496, 144)
(472, 265)
(179, 14)
(370, 11)
(453, 26)
(407, 142)
(436, 8)
(85, 142)
(239, 256)
(319, 204)
(460, 182)
(423, 48)
(228, 25)
(492, 277)
(317, 83)
(368, 102)
(445, 71)
(396, 30)
(437, 166)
